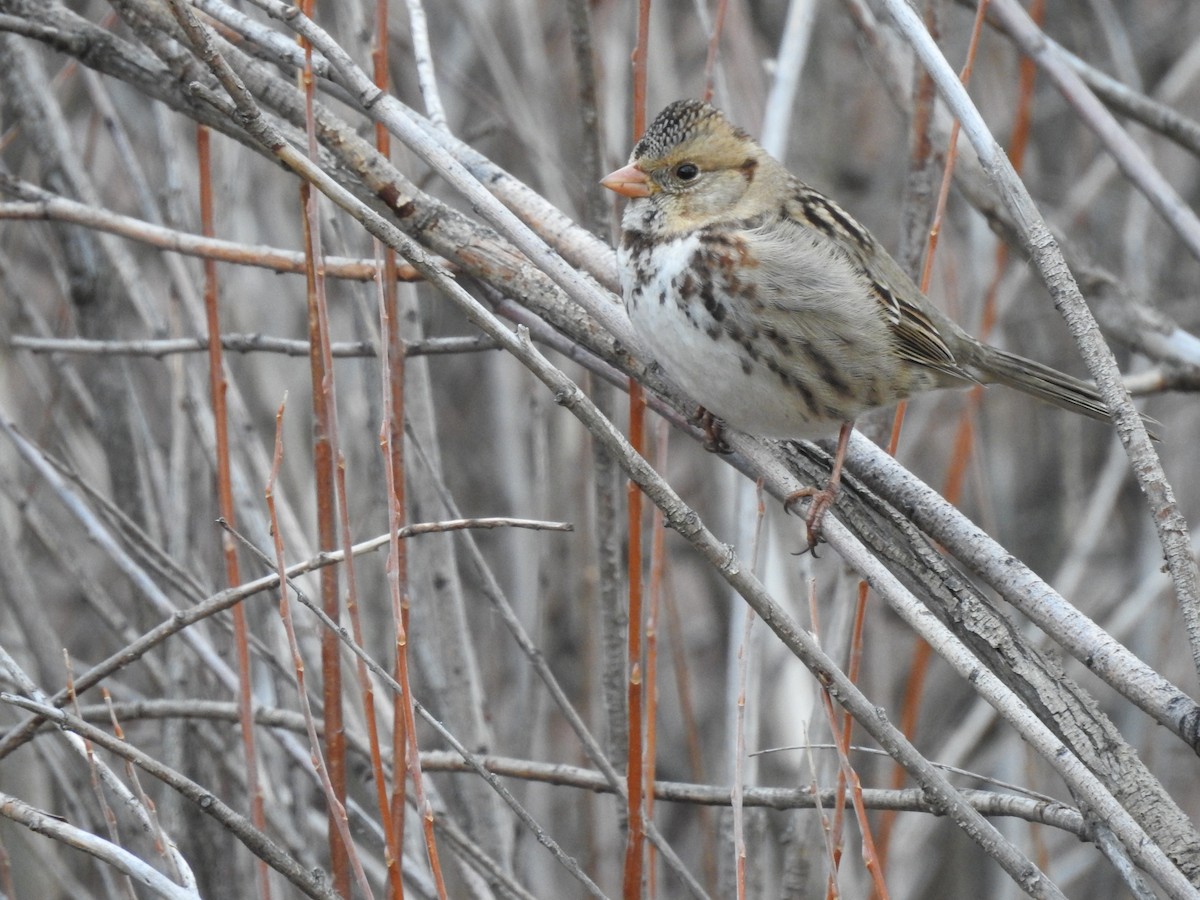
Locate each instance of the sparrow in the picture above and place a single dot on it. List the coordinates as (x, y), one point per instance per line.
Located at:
(773, 307)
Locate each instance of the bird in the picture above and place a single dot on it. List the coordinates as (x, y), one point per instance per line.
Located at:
(774, 308)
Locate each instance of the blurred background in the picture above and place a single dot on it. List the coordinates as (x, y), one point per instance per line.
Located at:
(119, 526)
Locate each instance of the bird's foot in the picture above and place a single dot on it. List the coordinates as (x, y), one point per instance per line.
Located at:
(714, 432)
(820, 501)
(822, 498)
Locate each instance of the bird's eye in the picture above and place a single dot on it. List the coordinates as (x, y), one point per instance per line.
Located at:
(686, 171)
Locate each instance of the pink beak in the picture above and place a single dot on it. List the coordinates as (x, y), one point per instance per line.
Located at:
(628, 182)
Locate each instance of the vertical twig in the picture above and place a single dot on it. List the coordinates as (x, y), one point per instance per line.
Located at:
(789, 63)
(216, 384)
(393, 364)
(658, 562)
(714, 45)
(423, 58)
(337, 806)
(162, 840)
(634, 774)
(743, 677)
(830, 831)
(910, 710)
(691, 732)
(327, 387)
(595, 206)
(110, 819)
(608, 648)
(843, 781)
(1173, 531)
(327, 533)
(635, 844)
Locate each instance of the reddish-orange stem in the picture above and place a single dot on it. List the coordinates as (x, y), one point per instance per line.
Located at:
(327, 533)
(635, 784)
(714, 45)
(217, 388)
(395, 363)
(326, 386)
(635, 777)
(658, 560)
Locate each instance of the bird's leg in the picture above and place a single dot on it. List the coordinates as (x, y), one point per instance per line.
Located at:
(714, 440)
(822, 498)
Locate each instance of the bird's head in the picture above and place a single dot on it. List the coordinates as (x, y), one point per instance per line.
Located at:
(696, 168)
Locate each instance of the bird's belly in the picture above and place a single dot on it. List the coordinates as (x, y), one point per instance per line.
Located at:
(735, 375)
(715, 375)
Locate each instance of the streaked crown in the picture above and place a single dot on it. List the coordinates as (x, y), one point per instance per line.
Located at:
(683, 120)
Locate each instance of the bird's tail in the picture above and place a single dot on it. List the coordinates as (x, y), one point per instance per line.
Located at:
(1025, 375)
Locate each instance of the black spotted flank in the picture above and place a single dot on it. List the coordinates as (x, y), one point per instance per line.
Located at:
(714, 307)
(806, 394)
(687, 287)
(782, 343)
(829, 372)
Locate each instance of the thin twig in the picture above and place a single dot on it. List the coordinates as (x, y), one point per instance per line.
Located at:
(54, 826)
(239, 343)
(423, 60)
(336, 805)
(254, 839)
(686, 523)
(1172, 528)
(52, 208)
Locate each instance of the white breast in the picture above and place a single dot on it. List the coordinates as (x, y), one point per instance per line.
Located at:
(698, 355)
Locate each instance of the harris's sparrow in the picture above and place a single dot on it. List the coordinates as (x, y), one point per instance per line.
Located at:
(772, 306)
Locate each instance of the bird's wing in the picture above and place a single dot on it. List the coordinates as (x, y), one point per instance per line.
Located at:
(918, 338)
(916, 327)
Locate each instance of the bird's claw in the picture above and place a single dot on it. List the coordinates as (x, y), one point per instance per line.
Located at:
(820, 499)
(714, 428)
